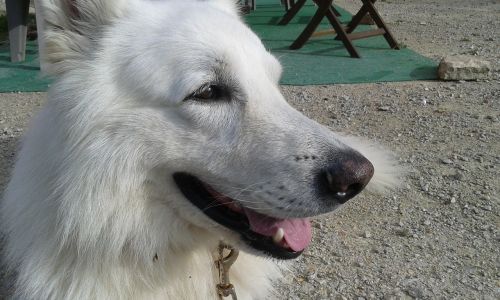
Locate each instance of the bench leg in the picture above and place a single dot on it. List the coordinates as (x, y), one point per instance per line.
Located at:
(380, 23)
(17, 19)
(356, 19)
(291, 12)
(341, 34)
(323, 8)
(368, 8)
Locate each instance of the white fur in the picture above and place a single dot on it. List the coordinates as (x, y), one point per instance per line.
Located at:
(92, 200)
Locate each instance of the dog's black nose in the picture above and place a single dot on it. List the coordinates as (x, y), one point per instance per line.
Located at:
(347, 176)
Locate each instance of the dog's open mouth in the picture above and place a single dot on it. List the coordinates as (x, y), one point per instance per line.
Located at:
(280, 238)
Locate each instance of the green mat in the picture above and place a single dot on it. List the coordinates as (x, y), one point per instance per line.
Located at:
(321, 61)
(324, 60)
(24, 76)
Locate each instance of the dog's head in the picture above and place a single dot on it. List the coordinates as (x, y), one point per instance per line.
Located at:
(186, 94)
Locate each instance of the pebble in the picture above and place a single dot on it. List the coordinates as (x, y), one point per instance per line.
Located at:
(404, 232)
(318, 225)
(7, 131)
(446, 161)
(359, 264)
(487, 208)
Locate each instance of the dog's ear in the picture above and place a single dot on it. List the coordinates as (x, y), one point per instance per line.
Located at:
(70, 29)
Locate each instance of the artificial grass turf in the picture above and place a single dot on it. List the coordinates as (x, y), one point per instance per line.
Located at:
(324, 60)
(22, 76)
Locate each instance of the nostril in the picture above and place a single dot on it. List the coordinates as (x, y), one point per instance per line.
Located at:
(345, 193)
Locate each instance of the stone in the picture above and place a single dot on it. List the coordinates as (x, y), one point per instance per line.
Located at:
(463, 67)
(446, 161)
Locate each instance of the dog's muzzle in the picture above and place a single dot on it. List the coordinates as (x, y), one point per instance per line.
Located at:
(344, 177)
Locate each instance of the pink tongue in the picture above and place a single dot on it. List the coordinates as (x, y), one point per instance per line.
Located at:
(297, 231)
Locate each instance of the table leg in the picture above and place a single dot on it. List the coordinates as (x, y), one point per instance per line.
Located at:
(17, 19)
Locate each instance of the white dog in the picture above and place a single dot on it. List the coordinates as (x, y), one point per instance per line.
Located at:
(165, 134)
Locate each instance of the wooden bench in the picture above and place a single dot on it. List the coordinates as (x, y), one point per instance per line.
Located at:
(345, 34)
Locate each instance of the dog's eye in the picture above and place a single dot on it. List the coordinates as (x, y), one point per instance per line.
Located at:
(209, 92)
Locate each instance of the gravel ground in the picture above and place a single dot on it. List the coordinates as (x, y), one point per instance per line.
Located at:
(437, 236)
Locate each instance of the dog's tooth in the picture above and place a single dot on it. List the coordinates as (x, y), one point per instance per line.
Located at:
(278, 236)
